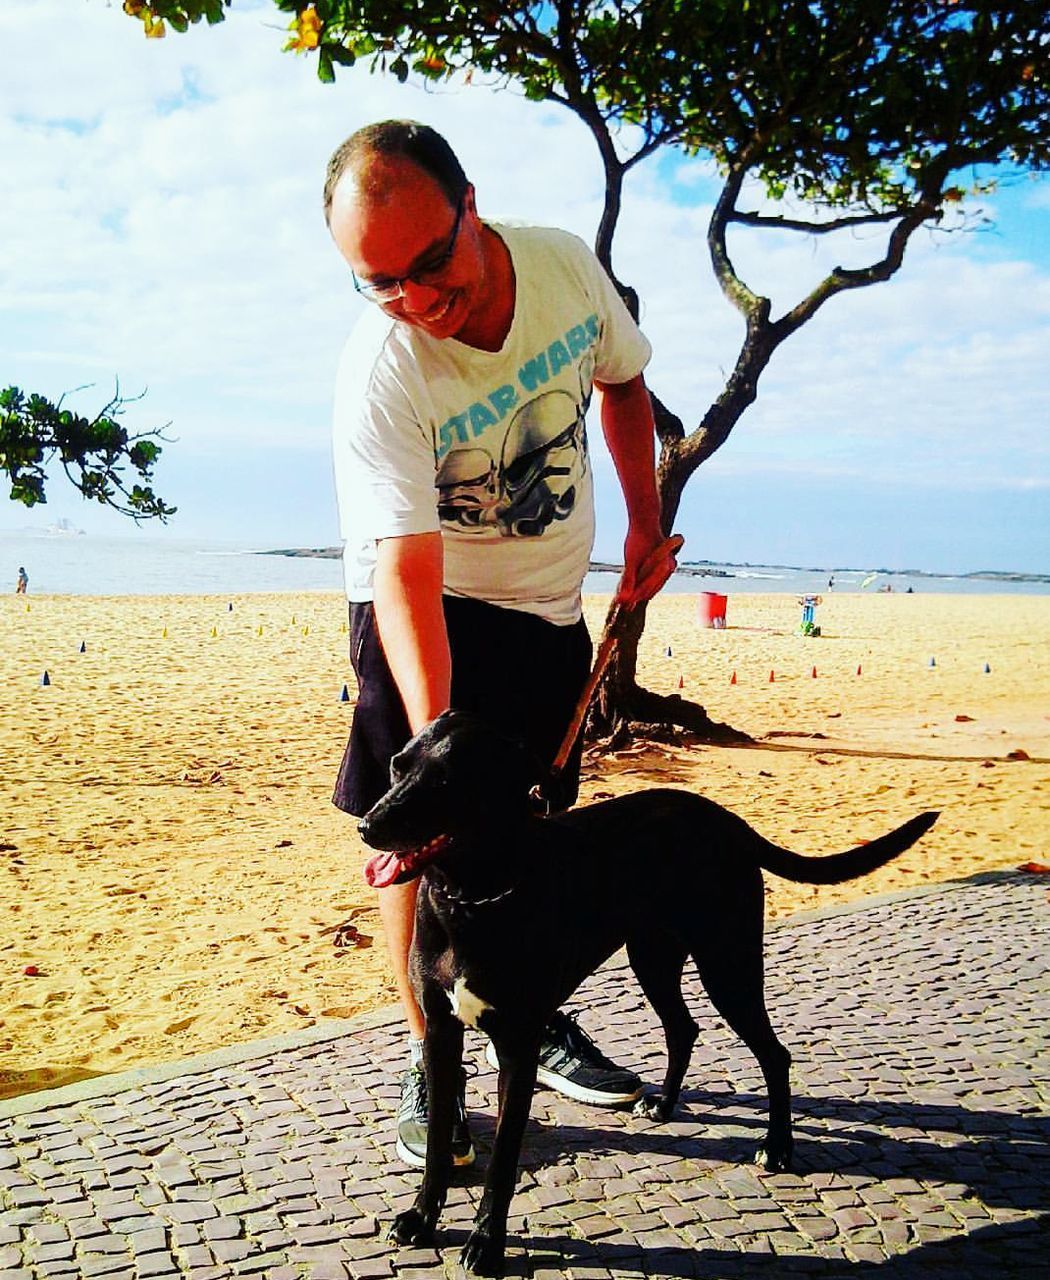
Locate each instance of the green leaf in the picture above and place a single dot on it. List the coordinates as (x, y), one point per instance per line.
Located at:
(95, 453)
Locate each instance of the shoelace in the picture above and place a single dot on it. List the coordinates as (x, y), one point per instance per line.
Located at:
(576, 1044)
(414, 1096)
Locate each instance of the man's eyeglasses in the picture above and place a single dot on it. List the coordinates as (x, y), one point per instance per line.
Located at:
(428, 274)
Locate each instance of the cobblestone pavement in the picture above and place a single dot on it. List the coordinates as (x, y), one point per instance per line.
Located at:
(918, 1029)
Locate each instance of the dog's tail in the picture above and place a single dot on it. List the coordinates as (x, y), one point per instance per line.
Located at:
(842, 866)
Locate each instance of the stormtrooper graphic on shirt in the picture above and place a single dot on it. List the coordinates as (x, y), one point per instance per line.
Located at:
(542, 463)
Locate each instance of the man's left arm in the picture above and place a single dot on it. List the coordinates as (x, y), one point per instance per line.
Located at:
(627, 424)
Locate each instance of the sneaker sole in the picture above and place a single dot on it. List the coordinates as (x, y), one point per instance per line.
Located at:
(418, 1161)
(578, 1092)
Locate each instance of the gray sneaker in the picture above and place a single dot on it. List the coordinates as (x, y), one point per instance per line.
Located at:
(572, 1063)
(412, 1121)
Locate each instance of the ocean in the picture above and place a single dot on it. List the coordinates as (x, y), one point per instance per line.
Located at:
(71, 564)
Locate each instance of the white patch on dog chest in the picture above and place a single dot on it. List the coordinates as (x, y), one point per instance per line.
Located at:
(467, 1007)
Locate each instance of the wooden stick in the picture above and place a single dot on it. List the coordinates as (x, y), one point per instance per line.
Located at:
(670, 546)
(601, 661)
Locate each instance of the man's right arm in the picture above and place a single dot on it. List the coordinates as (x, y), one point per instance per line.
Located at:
(411, 622)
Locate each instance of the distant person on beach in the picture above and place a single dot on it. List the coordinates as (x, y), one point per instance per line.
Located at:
(22, 585)
(465, 496)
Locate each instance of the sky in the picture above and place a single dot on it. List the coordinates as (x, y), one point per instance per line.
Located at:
(161, 224)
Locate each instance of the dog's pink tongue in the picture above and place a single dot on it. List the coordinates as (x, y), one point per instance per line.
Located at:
(382, 870)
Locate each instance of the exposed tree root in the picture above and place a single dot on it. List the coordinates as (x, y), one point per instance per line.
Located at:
(666, 718)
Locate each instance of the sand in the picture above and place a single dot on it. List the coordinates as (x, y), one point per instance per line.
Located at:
(174, 879)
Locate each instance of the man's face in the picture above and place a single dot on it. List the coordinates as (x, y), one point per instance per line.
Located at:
(405, 233)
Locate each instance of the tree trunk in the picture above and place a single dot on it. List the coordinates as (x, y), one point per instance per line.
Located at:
(621, 709)
(619, 700)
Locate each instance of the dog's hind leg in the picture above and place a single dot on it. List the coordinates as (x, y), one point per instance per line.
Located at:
(733, 978)
(658, 961)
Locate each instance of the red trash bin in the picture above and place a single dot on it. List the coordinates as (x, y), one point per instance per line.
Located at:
(711, 610)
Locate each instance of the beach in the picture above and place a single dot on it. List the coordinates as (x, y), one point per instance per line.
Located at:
(174, 878)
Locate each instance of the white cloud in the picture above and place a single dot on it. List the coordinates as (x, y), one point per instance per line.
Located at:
(165, 226)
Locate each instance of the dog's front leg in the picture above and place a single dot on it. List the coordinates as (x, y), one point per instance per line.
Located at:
(486, 1244)
(443, 1055)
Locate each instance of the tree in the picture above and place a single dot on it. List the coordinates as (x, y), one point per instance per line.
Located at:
(859, 113)
(93, 451)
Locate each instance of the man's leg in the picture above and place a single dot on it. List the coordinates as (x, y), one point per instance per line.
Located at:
(397, 910)
(379, 730)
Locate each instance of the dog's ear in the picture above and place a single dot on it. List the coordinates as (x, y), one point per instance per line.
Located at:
(527, 769)
(520, 777)
(442, 723)
(453, 721)
(500, 766)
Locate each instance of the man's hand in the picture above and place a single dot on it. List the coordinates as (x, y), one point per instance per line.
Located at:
(646, 566)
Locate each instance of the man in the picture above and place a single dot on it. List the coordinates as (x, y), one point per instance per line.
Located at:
(465, 497)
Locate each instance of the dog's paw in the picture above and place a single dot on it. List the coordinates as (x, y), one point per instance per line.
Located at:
(483, 1254)
(774, 1157)
(654, 1106)
(411, 1227)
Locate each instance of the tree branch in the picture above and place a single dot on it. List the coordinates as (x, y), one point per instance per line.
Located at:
(745, 301)
(841, 278)
(93, 453)
(814, 228)
(669, 429)
(926, 208)
(654, 141)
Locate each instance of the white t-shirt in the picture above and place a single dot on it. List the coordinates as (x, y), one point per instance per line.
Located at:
(489, 448)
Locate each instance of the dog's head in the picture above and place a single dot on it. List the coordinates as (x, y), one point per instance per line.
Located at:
(457, 781)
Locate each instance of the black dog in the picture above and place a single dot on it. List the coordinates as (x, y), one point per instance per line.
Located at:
(514, 911)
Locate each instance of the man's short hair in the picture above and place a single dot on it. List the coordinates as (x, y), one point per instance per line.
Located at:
(400, 139)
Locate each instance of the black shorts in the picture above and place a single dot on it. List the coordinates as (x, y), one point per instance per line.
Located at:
(522, 673)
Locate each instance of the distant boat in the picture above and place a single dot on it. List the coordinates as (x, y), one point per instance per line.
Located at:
(63, 528)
